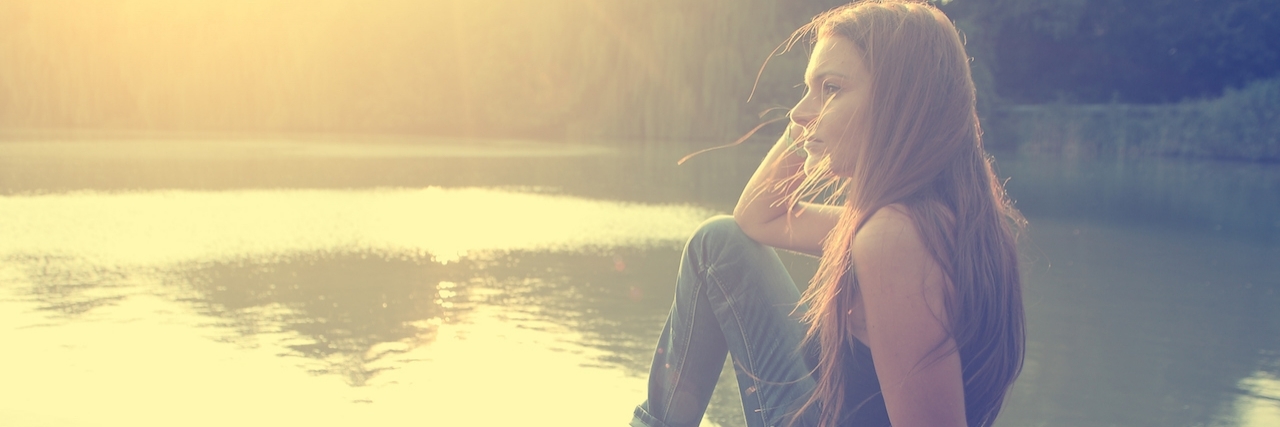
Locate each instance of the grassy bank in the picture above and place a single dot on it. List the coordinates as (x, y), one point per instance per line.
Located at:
(1242, 124)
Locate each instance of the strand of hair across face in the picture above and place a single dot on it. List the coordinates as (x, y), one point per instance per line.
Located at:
(739, 141)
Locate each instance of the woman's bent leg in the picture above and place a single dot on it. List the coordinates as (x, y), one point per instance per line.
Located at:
(733, 296)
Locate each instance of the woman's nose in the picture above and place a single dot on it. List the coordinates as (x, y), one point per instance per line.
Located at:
(802, 114)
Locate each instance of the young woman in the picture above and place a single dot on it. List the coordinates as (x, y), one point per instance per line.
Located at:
(915, 315)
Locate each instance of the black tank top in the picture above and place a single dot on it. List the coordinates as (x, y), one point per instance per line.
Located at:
(863, 402)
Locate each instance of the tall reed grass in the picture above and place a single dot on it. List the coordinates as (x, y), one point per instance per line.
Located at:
(1242, 124)
(652, 70)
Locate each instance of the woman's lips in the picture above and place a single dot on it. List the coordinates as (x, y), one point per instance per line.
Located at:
(814, 146)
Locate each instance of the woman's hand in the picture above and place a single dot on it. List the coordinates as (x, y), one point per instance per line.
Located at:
(762, 210)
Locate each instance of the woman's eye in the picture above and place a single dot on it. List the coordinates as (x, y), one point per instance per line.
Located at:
(829, 89)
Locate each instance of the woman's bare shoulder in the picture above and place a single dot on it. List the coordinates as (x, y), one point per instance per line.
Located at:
(889, 248)
(891, 227)
(904, 297)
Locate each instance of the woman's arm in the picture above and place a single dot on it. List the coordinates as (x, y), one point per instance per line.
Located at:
(762, 214)
(902, 290)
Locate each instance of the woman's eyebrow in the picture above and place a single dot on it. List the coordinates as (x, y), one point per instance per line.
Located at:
(828, 73)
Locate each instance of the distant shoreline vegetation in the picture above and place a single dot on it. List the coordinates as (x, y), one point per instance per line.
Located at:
(658, 71)
(1242, 124)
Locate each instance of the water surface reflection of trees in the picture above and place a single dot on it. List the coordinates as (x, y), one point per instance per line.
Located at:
(645, 172)
(349, 311)
(68, 287)
(336, 308)
(1138, 328)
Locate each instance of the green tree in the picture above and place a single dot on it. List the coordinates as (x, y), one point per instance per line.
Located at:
(1141, 51)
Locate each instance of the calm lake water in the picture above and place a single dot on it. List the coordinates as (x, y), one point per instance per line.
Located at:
(383, 281)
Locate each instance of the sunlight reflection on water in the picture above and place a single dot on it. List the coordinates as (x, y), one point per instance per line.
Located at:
(1259, 400)
(168, 226)
(333, 281)
(124, 303)
(141, 362)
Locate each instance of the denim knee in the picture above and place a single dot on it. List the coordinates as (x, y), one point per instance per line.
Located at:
(720, 243)
(721, 231)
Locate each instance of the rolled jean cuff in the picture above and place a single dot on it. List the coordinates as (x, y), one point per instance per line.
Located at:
(643, 419)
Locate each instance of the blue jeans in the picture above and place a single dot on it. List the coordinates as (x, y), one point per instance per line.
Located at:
(733, 296)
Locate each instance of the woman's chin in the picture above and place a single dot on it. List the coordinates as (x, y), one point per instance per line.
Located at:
(812, 165)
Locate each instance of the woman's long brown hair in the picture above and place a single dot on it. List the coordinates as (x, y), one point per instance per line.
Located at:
(924, 152)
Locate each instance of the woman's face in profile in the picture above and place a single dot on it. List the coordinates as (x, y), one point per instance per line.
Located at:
(833, 112)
